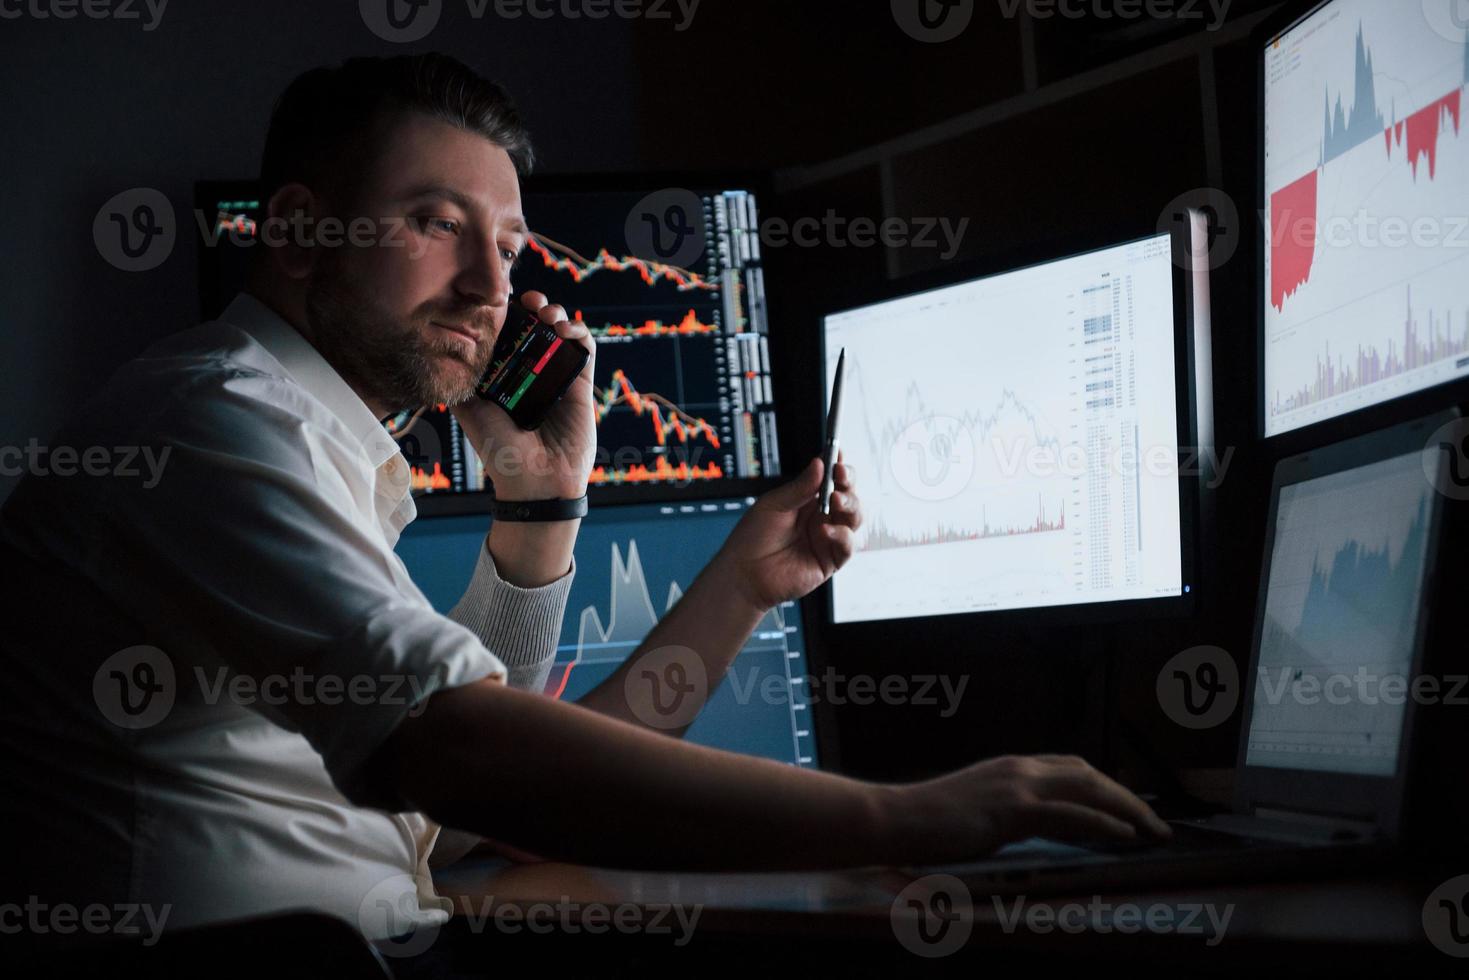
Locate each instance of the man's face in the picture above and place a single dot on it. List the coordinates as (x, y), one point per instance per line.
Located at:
(412, 320)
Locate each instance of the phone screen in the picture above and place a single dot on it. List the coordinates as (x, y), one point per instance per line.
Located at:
(535, 376)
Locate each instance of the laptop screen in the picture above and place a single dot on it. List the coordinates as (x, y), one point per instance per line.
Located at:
(1341, 615)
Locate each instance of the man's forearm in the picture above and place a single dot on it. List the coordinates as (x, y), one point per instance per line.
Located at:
(713, 619)
(569, 784)
(531, 555)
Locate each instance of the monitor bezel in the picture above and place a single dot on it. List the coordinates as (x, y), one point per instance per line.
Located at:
(1186, 412)
(1395, 410)
(206, 194)
(1371, 799)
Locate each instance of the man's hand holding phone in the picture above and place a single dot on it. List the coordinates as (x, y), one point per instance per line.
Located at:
(555, 460)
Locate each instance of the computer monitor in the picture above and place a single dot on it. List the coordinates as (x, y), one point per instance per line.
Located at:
(1018, 438)
(1365, 171)
(228, 213)
(671, 282)
(632, 563)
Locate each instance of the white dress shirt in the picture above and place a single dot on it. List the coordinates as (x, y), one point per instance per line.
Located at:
(280, 636)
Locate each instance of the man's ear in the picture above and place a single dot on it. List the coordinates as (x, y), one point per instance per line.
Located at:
(292, 216)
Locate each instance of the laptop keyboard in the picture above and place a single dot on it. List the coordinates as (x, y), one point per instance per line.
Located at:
(1188, 838)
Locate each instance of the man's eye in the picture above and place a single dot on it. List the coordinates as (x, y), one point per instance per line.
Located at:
(446, 226)
(511, 256)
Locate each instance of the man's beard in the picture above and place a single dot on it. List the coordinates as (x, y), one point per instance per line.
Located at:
(397, 364)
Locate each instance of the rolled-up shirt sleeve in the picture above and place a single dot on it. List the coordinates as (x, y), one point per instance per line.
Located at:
(521, 625)
(256, 552)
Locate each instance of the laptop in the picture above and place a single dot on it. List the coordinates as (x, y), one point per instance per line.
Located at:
(1321, 770)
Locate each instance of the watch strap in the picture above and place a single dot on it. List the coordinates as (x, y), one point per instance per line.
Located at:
(529, 511)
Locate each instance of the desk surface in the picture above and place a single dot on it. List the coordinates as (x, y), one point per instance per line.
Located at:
(1339, 923)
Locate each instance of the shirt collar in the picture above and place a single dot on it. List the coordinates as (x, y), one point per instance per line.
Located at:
(311, 371)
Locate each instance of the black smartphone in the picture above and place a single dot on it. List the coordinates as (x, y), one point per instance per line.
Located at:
(530, 372)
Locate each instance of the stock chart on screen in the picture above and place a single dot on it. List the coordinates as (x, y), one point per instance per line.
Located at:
(633, 562)
(1017, 438)
(683, 392)
(1346, 577)
(1366, 175)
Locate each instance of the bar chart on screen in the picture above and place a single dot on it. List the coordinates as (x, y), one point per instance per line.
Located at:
(1366, 178)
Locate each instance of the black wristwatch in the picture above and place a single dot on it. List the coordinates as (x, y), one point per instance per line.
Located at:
(539, 510)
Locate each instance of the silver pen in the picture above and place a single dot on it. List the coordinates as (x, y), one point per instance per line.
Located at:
(833, 416)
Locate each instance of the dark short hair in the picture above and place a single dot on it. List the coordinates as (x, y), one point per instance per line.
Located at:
(322, 124)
